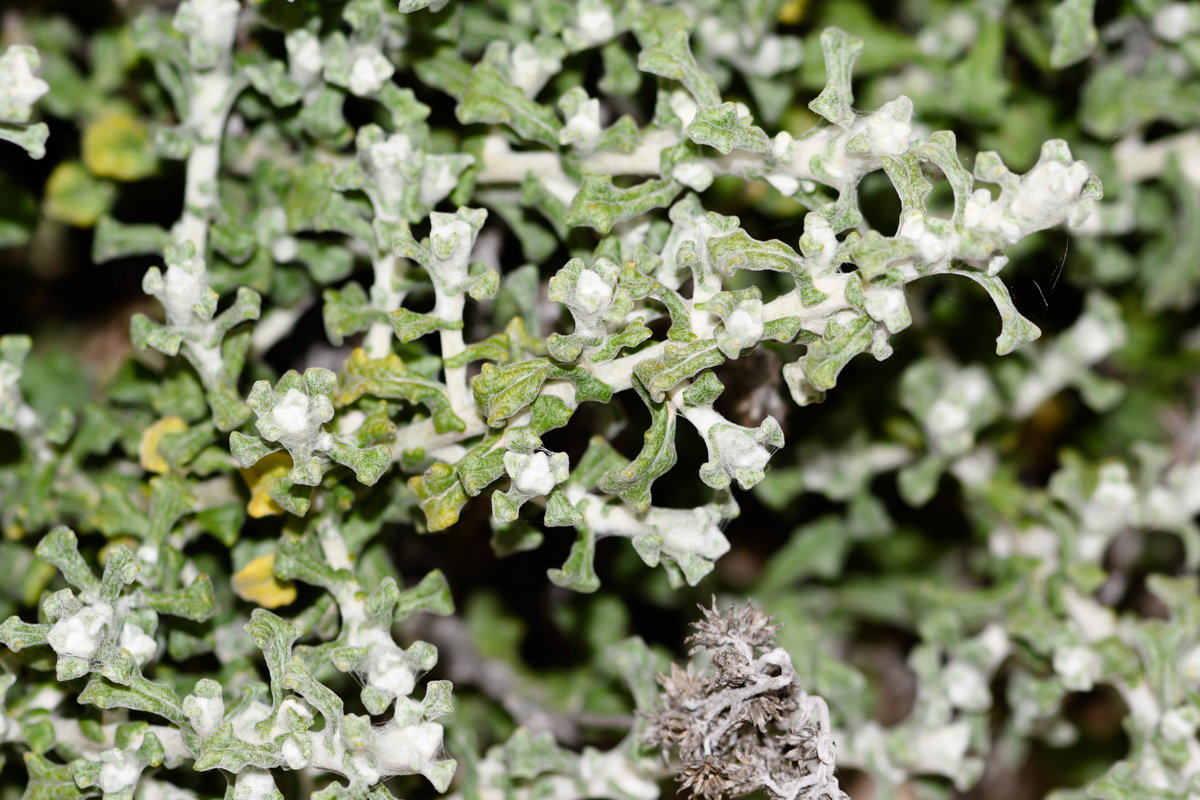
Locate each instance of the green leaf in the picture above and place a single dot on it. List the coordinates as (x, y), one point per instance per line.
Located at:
(526, 756)
(737, 250)
(440, 495)
(1015, 329)
(489, 98)
(390, 379)
(438, 701)
(1075, 35)
(836, 101)
(249, 450)
(905, 174)
(495, 348)
(301, 557)
(671, 57)
(875, 254)
(31, 138)
(368, 463)
(518, 536)
(410, 325)
(348, 311)
(139, 695)
(721, 128)
(431, 596)
(117, 240)
(225, 750)
(170, 499)
(500, 392)
(578, 573)
(819, 367)
(941, 148)
(704, 390)
(600, 205)
(50, 781)
(637, 665)
(195, 602)
(17, 634)
(632, 483)
(60, 548)
(559, 511)
(677, 363)
(817, 549)
(621, 76)
(445, 70)
(274, 635)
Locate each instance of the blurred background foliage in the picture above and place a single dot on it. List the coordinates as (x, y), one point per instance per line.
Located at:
(829, 542)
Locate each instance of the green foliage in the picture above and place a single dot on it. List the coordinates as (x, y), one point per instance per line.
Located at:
(510, 218)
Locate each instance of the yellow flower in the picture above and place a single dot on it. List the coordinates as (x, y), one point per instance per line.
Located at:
(256, 582)
(259, 478)
(148, 455)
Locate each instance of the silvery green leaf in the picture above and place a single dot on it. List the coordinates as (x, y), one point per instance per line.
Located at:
(249, 450)
(368, 463)
(173, 143)
(60, 547)
(117, 240)
(431, 596)
(489, 98)
(723, 128)
(918, 482)
(620, 71)
(671, 57)
(1075, 35)
(735, 250)
(50, 781)
(145, 332)
(836, 101)
(577, 572)
(445, 70)
(632, 482)
(527, 755)
(941, 149)
(30, 138)
(389, 378)
(875, 254)
(817, 370)
(500, 392)
(139, 695)
(170, 499)
(195, 602)
(348, 311)
(817, 549)
(274, 636)
(906, 176)
(301, 557)
(440, 495)
(677, 363)
(271, 78)
(1015, 329)
(600, 205)
(17, 635)
(225, 750)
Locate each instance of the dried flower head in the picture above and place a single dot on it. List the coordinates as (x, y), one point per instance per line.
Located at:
(733, 730)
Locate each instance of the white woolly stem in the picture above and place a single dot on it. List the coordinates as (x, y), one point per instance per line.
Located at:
(378, 339)
(212, 96)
